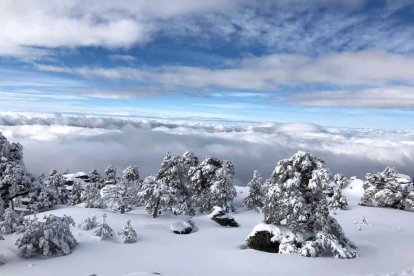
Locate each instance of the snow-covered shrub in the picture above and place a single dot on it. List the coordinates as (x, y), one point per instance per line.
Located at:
(212, 184)
(92, 196)
(388, 189)
(10, 222)
(154, 195)
(75, 194)
(122, 195)
(57, 183)
(88, 223)
(40, 197)
(128, 234)
(337, 201)
(295, 200)
(53, 236)
(255, 198)
(2, 259)
(104, 231)
(14, 179)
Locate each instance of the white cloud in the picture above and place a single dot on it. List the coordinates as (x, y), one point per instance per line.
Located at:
(383, 97)
(267, 72)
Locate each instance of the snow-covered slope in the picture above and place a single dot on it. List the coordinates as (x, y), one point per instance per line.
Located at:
(384, 246)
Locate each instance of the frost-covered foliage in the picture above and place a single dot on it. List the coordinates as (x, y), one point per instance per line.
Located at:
(88, 223)
(154, 195)
(2, 259)
(122, 196)
(95, 177)
(174, 175)
(14, 179)
(53, 236)
(40, 197)
(104, 231)
(75, 194)
(337, 201)
(57, 183)
(295, 199)
(10, 221)
(128, 234)
(111, 176)
(92, 196)
(255, 198)
(212, 184)
(388, 189)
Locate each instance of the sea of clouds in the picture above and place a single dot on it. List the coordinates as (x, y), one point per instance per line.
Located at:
(82, 143)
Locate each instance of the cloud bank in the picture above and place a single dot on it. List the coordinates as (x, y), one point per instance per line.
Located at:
(86, 142)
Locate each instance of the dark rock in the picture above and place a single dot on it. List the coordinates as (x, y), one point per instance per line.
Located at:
(223, 218)
(181, 227)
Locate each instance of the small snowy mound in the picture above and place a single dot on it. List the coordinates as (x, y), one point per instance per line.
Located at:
(142, 274)
(181, 227)
(222, 217)
(264, 237)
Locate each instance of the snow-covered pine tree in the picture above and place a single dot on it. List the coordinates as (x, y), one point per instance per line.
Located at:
(255, 198)
(95, 177)
(174, 175)
(57, 182)
(53, 236)
(154, 195)
(92, 195)
(88, 223)
(387, 189)
(10, 221)
(223, 191)
(40, 197)
(337, 201)
(128, 234)
(295, 198)
(111, 177)
(104, 231)
(202, 177)
(2, 259)
(75, 194)
(15, 181)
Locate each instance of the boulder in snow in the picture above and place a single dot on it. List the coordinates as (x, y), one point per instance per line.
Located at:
(181, 227)
(264, 237)
(222, 217)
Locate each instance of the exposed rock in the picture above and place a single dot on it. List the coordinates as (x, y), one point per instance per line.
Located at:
(222, 217)
(181, 227)
(264, 237)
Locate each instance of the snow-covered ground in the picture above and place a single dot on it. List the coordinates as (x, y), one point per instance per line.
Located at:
(385, 246)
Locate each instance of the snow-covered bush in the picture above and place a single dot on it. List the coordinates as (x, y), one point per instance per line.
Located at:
(88, 223)
(2, 259)
(57, 183)
(295, 200)
(388, 189)
(128, 234)
(337, 201)
(255, 198)
(53, 236)
(10, 221)
(40, 197)
(154, 195)
(212, 184)
(104, 231)
(14, 179)
(122, 195)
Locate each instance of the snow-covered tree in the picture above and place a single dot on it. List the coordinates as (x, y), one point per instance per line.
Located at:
(75, 194)
(111, 176)
(2, 259)
(104, 231)
(15, 181)
(128, 234)
(223, 191)
(53, 236)
(255, 198)
(174, 175)
(40, 197)
(88, 223)
(295, 198)
(10, 222)
(92, 196)
(57, 182)
(95, 177)
(388, 189)
(337, 201)
(154, 195)
(122, 196)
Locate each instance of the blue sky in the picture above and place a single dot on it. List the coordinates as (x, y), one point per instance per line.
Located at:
(336, 63)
